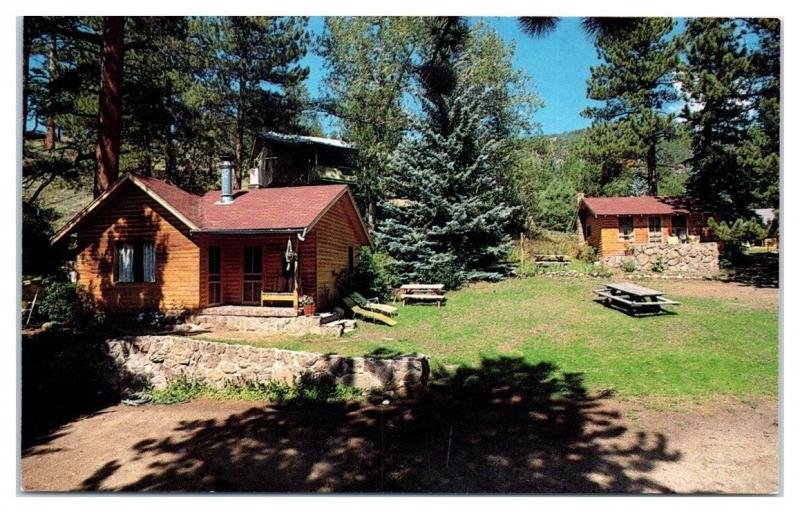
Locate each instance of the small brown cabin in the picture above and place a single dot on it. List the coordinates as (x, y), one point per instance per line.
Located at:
(147, 244)
(614, 223)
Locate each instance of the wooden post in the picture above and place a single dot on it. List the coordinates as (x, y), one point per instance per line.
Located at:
(521, 250)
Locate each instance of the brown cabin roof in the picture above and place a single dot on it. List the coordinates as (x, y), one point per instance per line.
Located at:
(269, 209)
(640, 205)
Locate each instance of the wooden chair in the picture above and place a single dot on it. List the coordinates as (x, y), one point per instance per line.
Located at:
(372, 305)
(368, 314)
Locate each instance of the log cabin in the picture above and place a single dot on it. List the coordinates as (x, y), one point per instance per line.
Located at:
(148, 244)
(613, 224)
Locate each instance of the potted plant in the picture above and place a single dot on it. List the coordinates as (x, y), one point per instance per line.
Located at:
(307, 302)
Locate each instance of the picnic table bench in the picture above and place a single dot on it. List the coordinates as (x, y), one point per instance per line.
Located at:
(635, 299)
(423, 292)
(548, 260)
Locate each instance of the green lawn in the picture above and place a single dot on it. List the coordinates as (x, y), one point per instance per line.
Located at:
(720, 345)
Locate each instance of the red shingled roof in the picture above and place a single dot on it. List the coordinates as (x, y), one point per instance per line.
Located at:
(271, 208)
(640, 205)
(280, 208)
(184, 202)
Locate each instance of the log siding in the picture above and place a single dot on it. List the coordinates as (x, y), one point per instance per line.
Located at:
(135, 216)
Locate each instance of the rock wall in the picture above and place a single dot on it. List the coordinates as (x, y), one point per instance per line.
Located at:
(158, 359)
(701, 258)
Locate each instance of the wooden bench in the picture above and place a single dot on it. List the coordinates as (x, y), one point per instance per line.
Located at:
(551, 260)
(423, 297)
(635, 299)
(281, 297)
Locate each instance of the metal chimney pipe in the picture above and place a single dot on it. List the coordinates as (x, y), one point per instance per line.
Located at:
(226, 172)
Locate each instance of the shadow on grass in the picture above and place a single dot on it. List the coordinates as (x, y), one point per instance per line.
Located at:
(506, 426)
(758, 270)
(642, 311)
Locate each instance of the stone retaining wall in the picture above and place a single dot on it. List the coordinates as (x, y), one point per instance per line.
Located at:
(699, 258)
(159, 359)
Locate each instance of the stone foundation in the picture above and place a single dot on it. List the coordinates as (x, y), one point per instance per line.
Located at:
(696, 259)
(267, 325)
(158, 359)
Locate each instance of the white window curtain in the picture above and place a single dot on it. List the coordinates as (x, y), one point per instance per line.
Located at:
(125, 263)
(149, 261)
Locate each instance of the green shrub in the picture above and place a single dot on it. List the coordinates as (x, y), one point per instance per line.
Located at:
(586, 253)
(372, 277)
(64, 303)
(658, 267)
(602, 271)
(180, 390)
(628, 266)
(306, 388)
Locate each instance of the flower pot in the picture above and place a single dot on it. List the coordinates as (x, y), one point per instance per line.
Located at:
(309, 310)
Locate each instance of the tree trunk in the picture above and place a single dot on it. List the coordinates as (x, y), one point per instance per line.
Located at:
(50, 135)
(110, 116)
(170, 156)
(652, 172)
(239, 145)
(26, 56)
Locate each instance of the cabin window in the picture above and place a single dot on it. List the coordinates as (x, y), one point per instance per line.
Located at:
(214, 275)
(625, 227)
(654, 229)
(136, 262)
(587, 231)
(350, 259)
(679, 228)
(251, 282)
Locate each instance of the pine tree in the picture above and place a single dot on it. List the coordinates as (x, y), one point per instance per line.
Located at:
(717, 87)
(635, 82)
(760, 154)
(447, 221)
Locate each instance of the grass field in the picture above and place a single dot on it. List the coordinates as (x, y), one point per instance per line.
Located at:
(721, 343)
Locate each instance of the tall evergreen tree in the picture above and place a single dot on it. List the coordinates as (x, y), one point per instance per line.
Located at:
(446, 220)
(760, 154)
(249, 75)
(717, 85)
(635, 82)
(370, 69)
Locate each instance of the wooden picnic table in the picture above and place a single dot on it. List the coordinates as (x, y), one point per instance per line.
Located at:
(423, 292)
(634, 298)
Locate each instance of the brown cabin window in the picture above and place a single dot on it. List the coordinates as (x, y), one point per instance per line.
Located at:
(136, 262)
(654, 229)
(214, 275)
(625, 226)
(679, 228)
(251, 278)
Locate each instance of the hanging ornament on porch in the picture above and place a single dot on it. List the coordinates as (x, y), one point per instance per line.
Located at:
(289, 255)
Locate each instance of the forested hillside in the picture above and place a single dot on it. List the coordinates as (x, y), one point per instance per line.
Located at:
(451, 164)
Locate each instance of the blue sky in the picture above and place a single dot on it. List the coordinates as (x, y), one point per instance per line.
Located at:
(558, 65)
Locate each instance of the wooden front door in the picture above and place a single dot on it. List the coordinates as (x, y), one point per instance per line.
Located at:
(251, 275)
(214, 275)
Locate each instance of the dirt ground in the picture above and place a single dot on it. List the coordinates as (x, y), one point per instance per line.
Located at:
(587, 445)
(769, 297)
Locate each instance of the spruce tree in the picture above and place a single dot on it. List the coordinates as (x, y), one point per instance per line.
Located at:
(446, 220)
(635, 82)
(717, 85)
